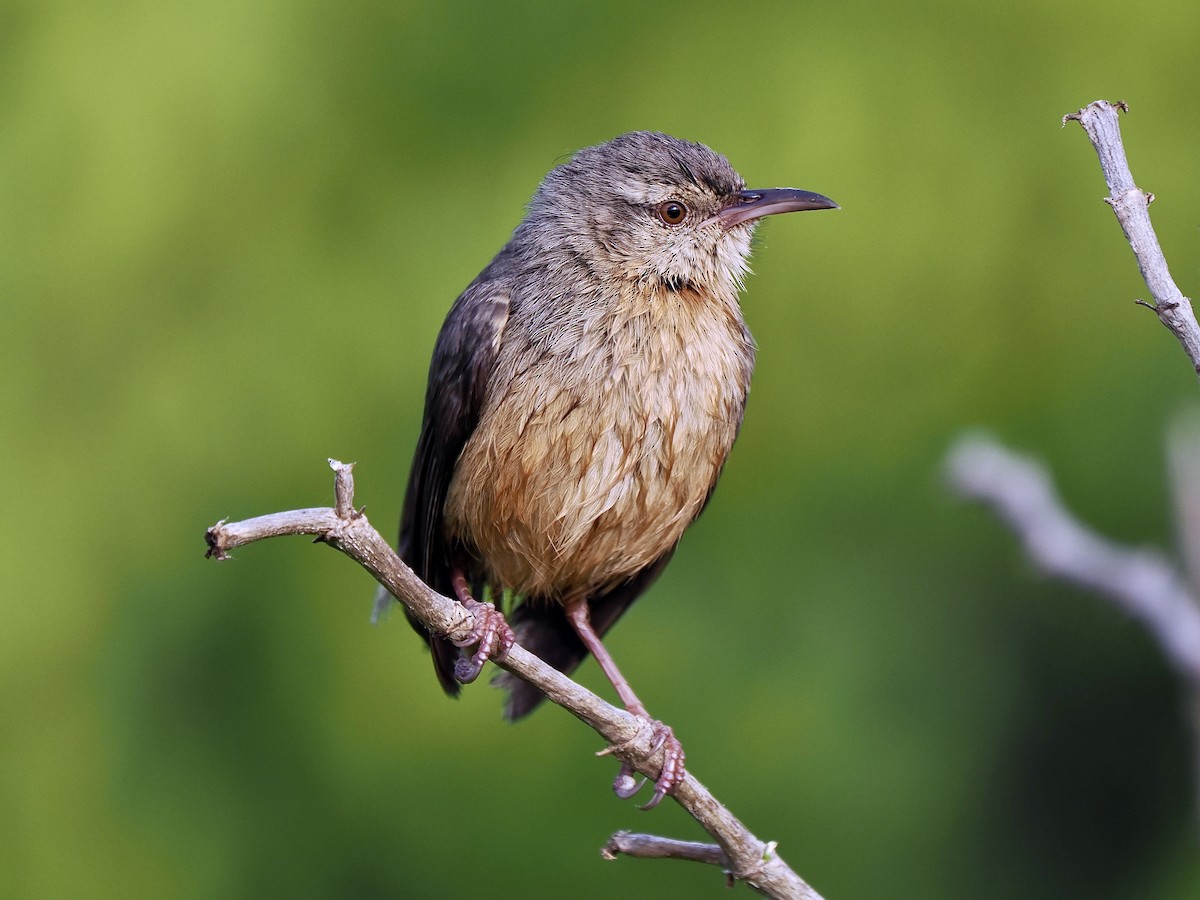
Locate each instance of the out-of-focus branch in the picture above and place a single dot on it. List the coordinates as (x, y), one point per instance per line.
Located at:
(1140, 581)
(1132, 208)
(346, 529)
(1183, 458)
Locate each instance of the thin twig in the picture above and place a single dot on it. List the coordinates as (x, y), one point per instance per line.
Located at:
(650, 846)
(348, 530)
(1132, 208)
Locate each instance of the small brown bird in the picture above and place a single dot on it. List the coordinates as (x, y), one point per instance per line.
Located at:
(584, 394)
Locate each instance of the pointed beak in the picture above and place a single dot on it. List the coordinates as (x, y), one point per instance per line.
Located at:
(751, 205)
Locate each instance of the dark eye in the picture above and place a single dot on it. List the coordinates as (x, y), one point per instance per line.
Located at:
(672, 212)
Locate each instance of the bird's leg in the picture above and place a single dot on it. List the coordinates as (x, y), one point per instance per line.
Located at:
(491, 632)
(625, 785)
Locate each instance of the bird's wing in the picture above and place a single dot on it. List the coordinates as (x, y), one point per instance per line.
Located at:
(463, 358)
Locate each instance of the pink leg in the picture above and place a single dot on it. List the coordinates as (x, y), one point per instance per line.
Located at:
(672, 770)
(491, 633)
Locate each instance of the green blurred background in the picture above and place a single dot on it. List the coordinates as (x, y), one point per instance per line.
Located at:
(229, 232)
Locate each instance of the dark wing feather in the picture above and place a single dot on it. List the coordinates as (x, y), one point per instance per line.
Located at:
(462, 364)
(542, 628)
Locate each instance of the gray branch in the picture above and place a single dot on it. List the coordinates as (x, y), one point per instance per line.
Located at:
(743, 855)
(649, 846)
(1140, 582)
(1132, 208)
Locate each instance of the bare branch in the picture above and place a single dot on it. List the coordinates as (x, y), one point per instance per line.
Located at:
(348, 530)
(343, 488)
(649, 846)
(1131, 206)
(1139, 581)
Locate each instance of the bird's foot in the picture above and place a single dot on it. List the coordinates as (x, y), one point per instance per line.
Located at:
(491, 636)
(669, 777)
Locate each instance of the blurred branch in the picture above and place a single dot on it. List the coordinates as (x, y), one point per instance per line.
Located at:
(1183, 458)
(1132, 208)
(346, 529)
(1140, 582)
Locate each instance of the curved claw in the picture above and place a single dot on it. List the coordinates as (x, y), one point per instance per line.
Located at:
(672, 771)
(625, 785)
(669, 777)
(659, 793)
(491, 636)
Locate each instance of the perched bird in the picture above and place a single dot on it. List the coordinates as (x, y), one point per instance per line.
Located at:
(584, 394)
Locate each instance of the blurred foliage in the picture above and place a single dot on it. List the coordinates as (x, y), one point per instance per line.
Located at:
(228, 234)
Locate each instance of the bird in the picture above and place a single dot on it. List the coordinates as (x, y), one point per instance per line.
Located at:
(584, 393)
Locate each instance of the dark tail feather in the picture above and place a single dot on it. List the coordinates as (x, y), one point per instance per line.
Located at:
(542, 628)
(445, 655)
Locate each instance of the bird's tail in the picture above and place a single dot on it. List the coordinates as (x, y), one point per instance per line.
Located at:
(541, 628)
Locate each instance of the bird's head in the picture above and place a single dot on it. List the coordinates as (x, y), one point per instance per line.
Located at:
(654, 209)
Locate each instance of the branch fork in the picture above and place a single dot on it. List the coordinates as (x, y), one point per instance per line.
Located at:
(628, 738)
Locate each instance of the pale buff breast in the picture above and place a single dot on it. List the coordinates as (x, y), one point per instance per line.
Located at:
(591, 464)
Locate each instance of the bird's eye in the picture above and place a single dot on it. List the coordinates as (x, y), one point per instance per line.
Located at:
(672, 212)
